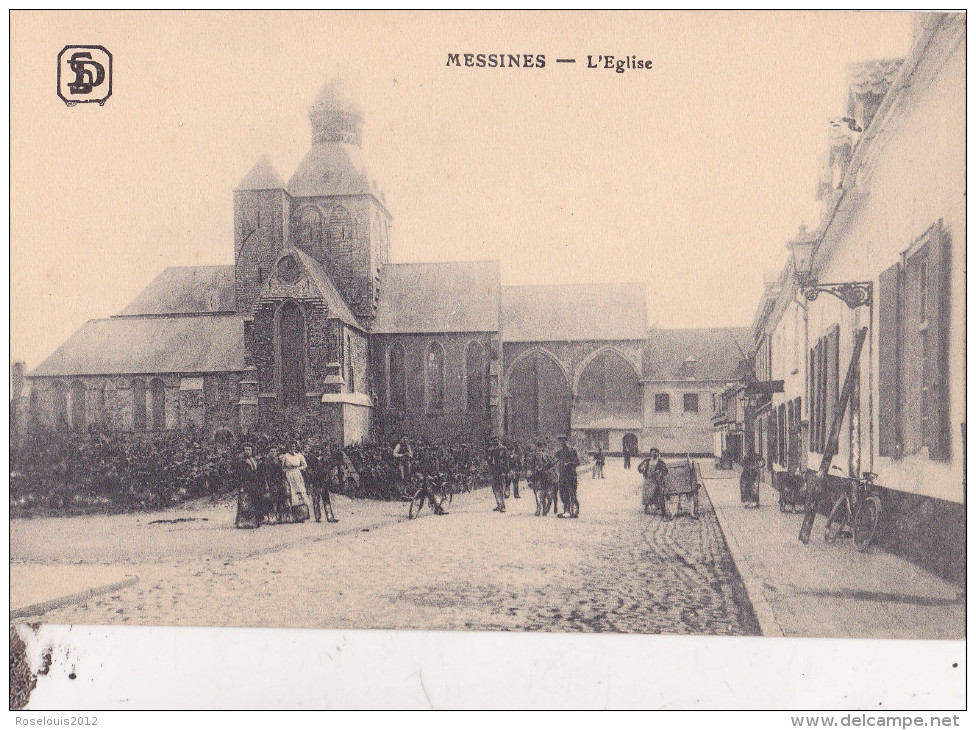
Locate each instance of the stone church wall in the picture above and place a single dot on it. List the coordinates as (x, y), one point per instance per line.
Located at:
(417, 419)
(358, 347)
(260, 234)
(352, 261)
(321, 342)
(109, 401)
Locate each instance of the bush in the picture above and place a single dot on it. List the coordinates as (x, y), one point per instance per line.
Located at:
(102, 471)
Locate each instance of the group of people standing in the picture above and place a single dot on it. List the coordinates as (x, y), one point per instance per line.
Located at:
(509, 465)
(285, 487)
(280, 488)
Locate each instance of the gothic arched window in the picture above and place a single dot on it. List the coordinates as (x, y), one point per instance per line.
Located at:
(157, 410)
(139, 404)
(60, 406)
(308, 230)
(78, 415)
(435, 378)
(475, 377)
(398, 378)
(291, 351)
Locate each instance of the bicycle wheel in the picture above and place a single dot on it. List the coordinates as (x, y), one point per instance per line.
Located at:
(866, 522)
(840, 515)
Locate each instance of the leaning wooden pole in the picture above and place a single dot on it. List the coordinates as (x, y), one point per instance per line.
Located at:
(830, 450)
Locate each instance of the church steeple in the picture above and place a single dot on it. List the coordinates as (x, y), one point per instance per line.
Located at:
(336, 116)
(261, 177)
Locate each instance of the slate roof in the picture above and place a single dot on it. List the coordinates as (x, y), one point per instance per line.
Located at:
(714, 350)
(337, 305)
(186, 290)
(331, 168)
(262, 177)
(438, 297)
(574, 312)
(133, 345)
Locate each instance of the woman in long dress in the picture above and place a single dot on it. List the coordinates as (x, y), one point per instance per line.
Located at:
(294, 465)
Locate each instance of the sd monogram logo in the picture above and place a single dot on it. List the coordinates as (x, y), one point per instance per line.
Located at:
(84, 75)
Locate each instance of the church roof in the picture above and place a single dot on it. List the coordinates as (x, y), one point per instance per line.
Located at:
(438, 297)
(330, 293)
(713, 350)
(136, 345)
(261, 177)
(331, 168)
(186, 290)
(551, 313)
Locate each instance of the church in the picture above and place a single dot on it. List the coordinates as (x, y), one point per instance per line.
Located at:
(314, 316)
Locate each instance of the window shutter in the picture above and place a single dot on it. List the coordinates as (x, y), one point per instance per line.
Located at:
(833, 373)
(821, 391)
(889, 360)
(816, 378)
(781, 434)
(937, 356)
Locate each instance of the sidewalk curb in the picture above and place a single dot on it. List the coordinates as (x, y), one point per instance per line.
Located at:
(768, 624)
(39, 608)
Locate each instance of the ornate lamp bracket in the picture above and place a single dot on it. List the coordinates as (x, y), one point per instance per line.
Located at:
(853, 293)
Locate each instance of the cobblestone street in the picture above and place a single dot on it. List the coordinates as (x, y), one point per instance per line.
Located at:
(614, 569)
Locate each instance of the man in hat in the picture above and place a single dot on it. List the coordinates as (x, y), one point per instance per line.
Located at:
(321, 468)
(498, 465)
(249, 491)
(276, 492)
(568, 460)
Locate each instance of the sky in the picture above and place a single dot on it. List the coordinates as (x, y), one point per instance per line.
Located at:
(690, 176)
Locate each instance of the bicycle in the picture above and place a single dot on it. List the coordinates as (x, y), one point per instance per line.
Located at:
(426, 490)
(856, 513)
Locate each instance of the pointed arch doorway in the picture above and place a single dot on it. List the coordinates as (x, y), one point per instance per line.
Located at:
(538, 398)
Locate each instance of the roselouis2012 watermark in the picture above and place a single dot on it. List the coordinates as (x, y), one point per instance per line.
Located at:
(44, 721)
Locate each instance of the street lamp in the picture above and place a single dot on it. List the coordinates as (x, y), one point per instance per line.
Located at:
(853, 293)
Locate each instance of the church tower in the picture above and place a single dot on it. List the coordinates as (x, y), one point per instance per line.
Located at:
(261, 231)
(338, 214)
